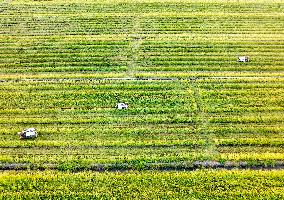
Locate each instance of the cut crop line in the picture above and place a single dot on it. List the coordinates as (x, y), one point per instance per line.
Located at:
(4, 4)
(134, 46)
(202, 121)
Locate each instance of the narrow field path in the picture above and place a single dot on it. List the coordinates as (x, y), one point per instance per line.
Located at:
(171, 166)
(134, 47)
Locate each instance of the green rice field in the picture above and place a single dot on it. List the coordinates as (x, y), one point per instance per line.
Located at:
(64, 65)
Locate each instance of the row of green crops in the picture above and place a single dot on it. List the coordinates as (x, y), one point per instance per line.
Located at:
(154, 7)
(204, 184)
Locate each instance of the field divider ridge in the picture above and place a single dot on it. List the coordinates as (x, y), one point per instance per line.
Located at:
(157, 166)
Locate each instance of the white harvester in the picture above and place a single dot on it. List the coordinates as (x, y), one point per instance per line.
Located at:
(243, 59)
(121, 106)
(28, 133)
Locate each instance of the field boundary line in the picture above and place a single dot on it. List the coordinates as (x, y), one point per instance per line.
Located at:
(135, 79)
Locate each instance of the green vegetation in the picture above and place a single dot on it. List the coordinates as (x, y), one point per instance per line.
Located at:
(140, 38)
(64, 65)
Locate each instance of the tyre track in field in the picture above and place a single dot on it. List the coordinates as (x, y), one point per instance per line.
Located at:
(202, 121)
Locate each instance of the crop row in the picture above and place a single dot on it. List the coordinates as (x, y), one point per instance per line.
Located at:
(139, 116)
(100, 95)
(94, 75)
(59, 154)
(147, 185)
(73, 58)
(37, 25)
(210, 56)
(97, 96)
(105, 134)
(36, 7)
(104, 154)
(93, 24)
(55, 154)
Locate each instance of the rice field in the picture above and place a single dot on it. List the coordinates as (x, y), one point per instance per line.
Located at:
(64, 65)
